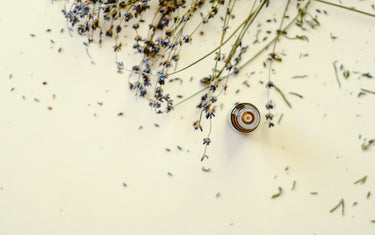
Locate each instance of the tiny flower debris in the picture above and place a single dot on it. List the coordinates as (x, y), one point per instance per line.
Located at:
(340, 204)
(367, 144)
(277, 194)
(361, 180)
(204, 169)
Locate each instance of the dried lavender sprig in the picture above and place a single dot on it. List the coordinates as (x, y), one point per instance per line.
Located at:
(210, 99)
(270, 84)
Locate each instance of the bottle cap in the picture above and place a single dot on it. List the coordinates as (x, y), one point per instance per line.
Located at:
(245, 117)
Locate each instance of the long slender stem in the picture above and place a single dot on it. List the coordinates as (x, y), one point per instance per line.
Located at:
(344, 7)
(283, 96)
(337, 76)
(368, 91)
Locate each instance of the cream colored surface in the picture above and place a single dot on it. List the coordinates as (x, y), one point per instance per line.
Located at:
(62, 170)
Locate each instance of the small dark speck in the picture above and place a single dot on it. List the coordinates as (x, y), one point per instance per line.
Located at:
(52, 41)
(100, 103)
(218, 195)
(120, 114)
(23, 97)
(313, 193)
(179, 147)
(124, 184)
(140, 127)
(59, 50)
(368, 75)
(45, 83)
(361, 94)
(61, 30)
(48, 30)
(49, 108)
(156, 125)
(32, 35)
(12, 89)
(333, 37)
(167, 149)
(54, 96)
(170, 174)
(10, 76)
(36, 100)
(355, 203)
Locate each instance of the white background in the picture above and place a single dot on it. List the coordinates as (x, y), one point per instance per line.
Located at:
(62, 170)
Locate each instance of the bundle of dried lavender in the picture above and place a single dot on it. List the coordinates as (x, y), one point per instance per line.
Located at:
(160, 32)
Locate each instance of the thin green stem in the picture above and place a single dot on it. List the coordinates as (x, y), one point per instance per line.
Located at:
(344, 7)
(191, 96)
(283, 96)
(368, 91)
(337, 76)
